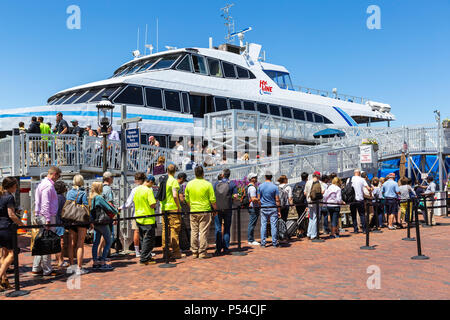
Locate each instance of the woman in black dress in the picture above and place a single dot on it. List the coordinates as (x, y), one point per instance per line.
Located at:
(7, 218)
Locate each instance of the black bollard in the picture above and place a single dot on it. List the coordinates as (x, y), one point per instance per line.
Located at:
(318, 215)
(367, 246)
(409, 215)
(17, 292)
(447, 201)
(419, 256)
(427, 222)
(167, 263)
(239, 251)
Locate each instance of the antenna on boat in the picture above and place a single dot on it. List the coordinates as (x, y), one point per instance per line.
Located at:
(146, 36)
(157, 35)
(150, 47)
(137, 44)
(241, 35)
(229, 22)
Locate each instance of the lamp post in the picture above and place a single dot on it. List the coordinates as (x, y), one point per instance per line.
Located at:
(104, 121)
(439, 153)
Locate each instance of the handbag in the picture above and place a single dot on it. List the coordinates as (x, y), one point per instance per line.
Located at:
(46, 242)
(100, 216)
(75, 212)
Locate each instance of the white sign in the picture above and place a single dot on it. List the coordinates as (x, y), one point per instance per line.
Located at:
(366, 154)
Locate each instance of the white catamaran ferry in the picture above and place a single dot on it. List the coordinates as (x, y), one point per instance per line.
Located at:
(173, 91)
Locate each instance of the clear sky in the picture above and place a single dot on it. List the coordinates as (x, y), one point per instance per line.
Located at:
(324, 44)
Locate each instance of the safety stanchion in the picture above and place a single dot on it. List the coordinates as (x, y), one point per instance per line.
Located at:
(419, 256)
(410, 217)
(17, 292)
(167, 263)
(367, 246)
(318, 214)
(447, 200)
(239, 251)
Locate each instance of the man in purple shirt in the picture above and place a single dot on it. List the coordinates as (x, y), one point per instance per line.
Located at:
(46, 210)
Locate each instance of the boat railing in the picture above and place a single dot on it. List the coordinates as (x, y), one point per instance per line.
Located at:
(328, 94)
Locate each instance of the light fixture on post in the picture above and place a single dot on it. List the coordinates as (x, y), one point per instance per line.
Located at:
(104, 121)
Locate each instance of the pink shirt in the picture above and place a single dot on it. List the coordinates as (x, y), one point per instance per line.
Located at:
(46, 200)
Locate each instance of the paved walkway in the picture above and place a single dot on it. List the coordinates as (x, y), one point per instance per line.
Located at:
(335, 269)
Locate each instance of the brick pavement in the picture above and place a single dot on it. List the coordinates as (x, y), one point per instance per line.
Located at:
(336, 269)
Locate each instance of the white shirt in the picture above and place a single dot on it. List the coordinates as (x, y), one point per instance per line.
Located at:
(180, 148)
(333, 194)
(114, 135)
(358, 184)
(129, 204)
(251, 194)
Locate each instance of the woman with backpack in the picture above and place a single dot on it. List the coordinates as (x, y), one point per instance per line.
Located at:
(77, 233)
(286, 200)
(96, 204)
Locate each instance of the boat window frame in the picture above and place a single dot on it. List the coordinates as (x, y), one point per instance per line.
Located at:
(113, 100)
(204, 60)
(226, 102)
(288, 109)
(252, 102)
(140, 70)
(318, 115)
(294, 110)
(162, 57)
(113, 95)
(229, 104)
(179, 100)
(306, 116)
(208, 59)
(234, 68)
(188, 56)
(276, 106)
(186, 108)
(262, 104)
(245, 69)
(163, 106)
(75, 93)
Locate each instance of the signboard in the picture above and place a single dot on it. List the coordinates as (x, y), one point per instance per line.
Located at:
(366, 155)
(133, 138)
(332, 162)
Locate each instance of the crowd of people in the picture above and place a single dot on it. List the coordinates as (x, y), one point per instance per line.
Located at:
(193, 205)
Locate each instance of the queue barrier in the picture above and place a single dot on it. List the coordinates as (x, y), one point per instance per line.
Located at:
(18, 292)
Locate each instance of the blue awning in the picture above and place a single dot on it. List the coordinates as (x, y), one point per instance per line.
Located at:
(329, 133)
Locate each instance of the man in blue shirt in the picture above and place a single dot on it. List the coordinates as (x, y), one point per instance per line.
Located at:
(390, 192)
(268, 196)
(225, 191)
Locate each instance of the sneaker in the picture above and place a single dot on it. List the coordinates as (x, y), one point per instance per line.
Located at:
(254, 243)
(37, 273)
(106, 267)
(392, 228)
(195, 255)
(82, 271)
(71, 269)
(138, 254)
(153, 254)
(205, 256)
(146, 263)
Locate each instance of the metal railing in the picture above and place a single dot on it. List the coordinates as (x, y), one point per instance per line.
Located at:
(328, 94)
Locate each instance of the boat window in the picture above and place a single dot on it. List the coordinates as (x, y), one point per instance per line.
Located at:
(120, 71)
(51, 101)
(282, 79)
(228, 70)
(165, 62)
(309, 116)
(318, 118)
(252, 76)
(185, 102)
(274, 110)
(199, 64)
(197, 104)
(74, 97)
(286, 112)
(262, 108)
(242, 73)
(221, 104)
(235, 104)
(214, 68)
(173, 102)
(299, 114)
(185, 64)
(249, 106)
(131, 95)
(88, 95)
(327, 121)
(108, 91)
(60, 99)
(147, 64)
(154, 98)
(135, 67)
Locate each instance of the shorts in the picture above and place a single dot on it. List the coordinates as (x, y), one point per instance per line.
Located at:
(60, 231)
(134, 225)
(391, 206)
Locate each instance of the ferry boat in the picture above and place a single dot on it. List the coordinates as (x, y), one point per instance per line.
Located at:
(174, 90)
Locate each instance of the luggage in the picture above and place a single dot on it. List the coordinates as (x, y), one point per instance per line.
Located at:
(282, 230)
(292, 227)
(161, 194)
(75, 212)
(46, 242)
(316, 191)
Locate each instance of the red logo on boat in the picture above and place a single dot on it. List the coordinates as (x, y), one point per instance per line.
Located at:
(264, 88)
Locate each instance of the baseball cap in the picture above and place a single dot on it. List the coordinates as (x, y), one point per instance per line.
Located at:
(151, 178)
(74, 120)
(268, 173)
(391, 175)
(316, 173)
(252, 175)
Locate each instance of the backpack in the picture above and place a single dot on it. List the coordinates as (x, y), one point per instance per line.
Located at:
(223, 195)
(298, 194)
(348, 193)
(161, 194)
(284, 196)
(316, 191)
(245, 199)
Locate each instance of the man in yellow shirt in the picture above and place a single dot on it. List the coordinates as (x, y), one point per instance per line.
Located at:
(200, 197)
(171, 204)
(144, 205)
(45, 144)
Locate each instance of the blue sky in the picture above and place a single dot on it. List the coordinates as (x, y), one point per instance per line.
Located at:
(324, 44)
